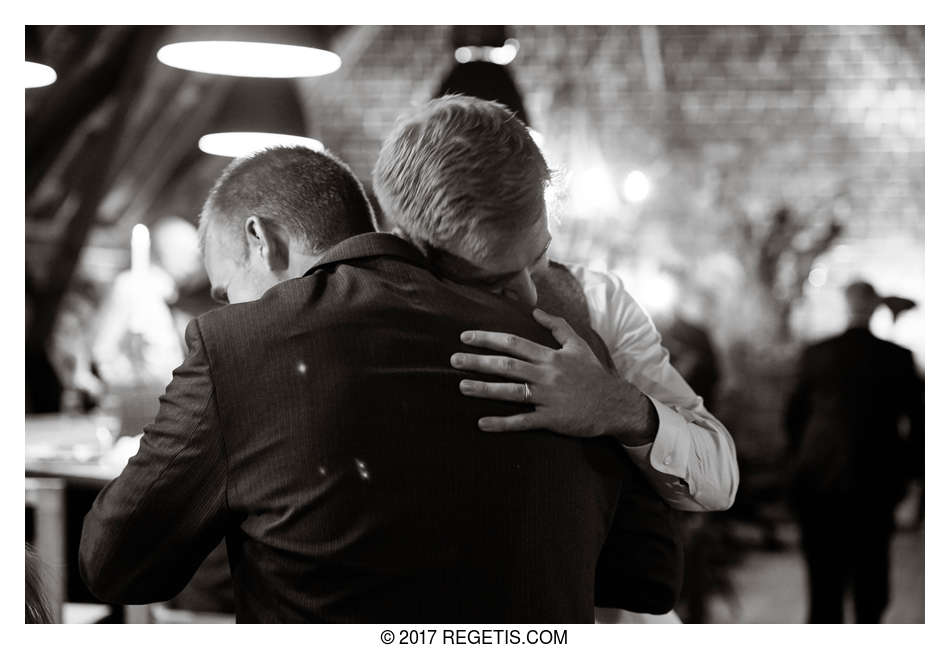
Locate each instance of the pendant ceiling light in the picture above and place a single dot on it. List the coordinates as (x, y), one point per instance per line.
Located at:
(498, 55)
(239, 144)
(249, 51)
(478, 74)
(249, 59)
(255, 115)
(37, 75)
(263, 107)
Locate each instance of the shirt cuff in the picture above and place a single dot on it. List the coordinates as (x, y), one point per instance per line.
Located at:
(669, 451)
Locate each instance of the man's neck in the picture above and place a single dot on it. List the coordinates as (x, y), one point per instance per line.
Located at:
(859, 323)
(299, 263)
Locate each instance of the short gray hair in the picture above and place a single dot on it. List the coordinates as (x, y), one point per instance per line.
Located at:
(460, 173)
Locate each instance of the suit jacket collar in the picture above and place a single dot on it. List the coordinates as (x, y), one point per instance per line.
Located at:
(370, 244)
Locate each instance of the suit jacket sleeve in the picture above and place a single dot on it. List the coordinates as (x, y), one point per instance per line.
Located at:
(151, 527)
(641, 564)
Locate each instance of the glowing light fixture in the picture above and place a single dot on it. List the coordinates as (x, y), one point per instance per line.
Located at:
(141, 249)
(249, 59)
(499, 55)
(37, 75)
(236, 145)
(506, 53)
(636, 186)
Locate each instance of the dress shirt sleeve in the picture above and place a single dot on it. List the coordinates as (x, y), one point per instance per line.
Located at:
(692, 461)
(150, 528)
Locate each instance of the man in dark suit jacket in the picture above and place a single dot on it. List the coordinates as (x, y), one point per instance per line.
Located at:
(464, 181)
(320, 432)
(851, 458)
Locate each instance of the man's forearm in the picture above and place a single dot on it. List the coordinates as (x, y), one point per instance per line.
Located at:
(630, 416)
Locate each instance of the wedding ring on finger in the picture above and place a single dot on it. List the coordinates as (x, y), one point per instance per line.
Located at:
(527, 392)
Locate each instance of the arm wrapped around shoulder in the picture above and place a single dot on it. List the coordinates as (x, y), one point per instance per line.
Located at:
(641, 564)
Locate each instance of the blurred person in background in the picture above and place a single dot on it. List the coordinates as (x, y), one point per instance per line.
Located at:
(89, 307)
(688, 339)
(71, 347)
(855, 426)
(177, 251)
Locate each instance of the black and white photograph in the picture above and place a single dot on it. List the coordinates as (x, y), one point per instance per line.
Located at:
(503, 327)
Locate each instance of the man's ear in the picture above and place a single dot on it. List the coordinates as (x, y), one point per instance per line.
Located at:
(269, 241)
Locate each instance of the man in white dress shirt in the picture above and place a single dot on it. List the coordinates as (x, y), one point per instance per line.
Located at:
(460, 215)
(446, 183)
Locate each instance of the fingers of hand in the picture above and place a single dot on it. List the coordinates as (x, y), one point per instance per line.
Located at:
(495, 365)
(526, 421)
(500, 391)
(560, 329)
(507, 343)
(543, 317)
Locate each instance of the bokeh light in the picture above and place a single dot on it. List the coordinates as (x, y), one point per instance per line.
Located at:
(636, 186)
(592, 191)
(818, 276)
(499, 55)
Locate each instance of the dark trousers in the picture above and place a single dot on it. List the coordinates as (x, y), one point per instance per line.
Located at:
(846, 545)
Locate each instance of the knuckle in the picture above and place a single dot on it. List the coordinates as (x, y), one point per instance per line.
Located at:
(508, 364)
(510, 340)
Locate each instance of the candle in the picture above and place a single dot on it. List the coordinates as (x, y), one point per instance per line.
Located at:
(140, 250)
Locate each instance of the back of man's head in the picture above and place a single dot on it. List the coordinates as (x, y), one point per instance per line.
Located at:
(862, 300)
(460, 173)
(313, 196)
